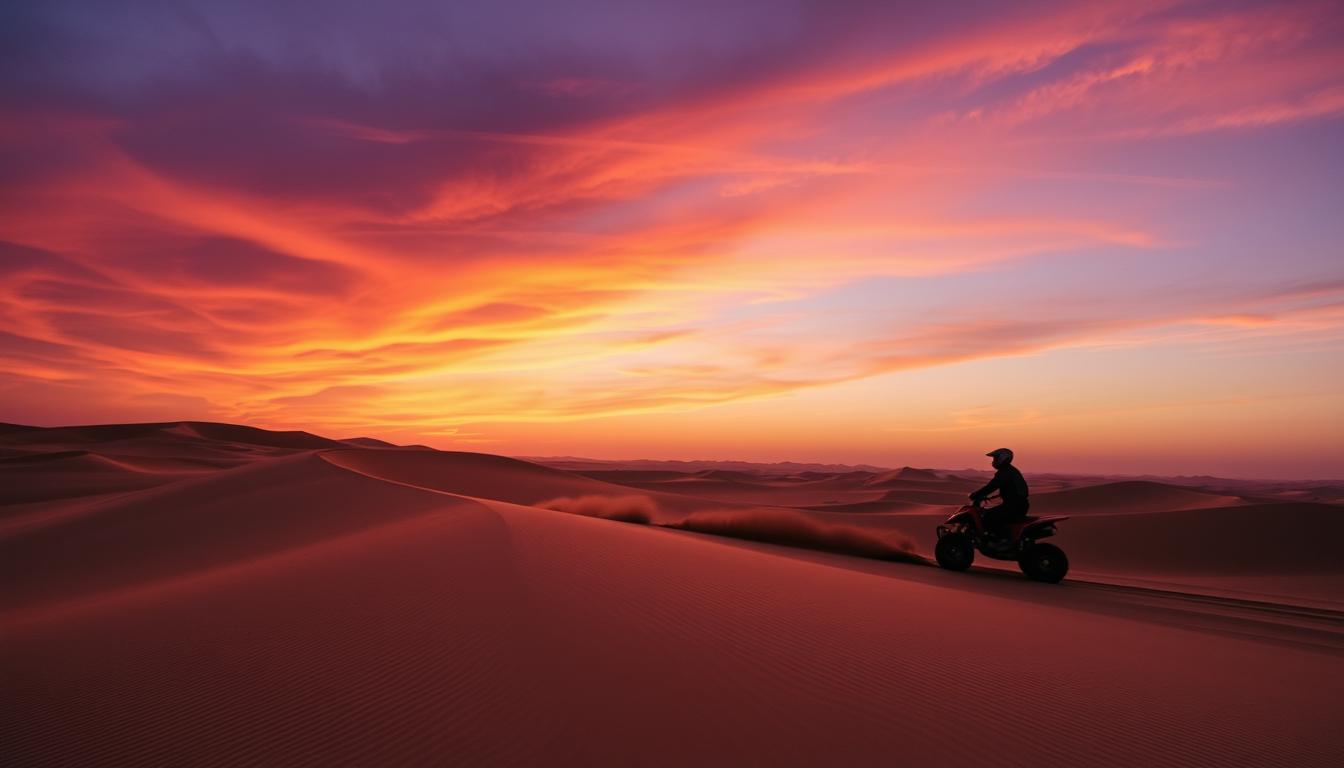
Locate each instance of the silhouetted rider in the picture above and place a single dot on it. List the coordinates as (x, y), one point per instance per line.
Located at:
(1012, 488)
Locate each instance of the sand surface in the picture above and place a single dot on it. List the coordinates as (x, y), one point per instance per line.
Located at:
(195, 594)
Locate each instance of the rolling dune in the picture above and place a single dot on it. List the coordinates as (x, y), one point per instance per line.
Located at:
(67, 474)
(903, 476)
(177, 529)
(1127, 498)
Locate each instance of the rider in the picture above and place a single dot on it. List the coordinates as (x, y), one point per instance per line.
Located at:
(1012, 488)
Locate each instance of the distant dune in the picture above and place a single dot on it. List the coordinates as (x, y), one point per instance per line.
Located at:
(207, 594)
(904, 475)
(1128, 497)
(580, 464)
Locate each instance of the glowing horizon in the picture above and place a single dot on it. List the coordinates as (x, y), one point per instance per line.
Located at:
(1105, 235)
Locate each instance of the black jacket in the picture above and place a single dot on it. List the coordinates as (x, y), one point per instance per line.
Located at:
(1010, 484)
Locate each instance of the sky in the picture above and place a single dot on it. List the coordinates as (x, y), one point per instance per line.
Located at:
(1106, 235)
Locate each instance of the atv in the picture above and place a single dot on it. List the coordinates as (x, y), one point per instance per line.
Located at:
(964, 532)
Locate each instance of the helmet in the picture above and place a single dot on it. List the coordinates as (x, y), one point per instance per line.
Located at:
(1001, 454)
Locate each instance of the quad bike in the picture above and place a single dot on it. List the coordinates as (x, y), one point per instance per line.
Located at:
(964, 532)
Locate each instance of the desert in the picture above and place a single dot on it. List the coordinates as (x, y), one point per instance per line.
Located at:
(196, 593)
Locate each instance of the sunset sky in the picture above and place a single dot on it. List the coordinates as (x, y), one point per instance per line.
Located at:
(1107, 235)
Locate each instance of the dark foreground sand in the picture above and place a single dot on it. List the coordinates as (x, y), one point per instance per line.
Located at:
(204, 594)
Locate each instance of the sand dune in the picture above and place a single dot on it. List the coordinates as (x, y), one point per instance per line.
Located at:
(888, 506)
(180, 528)
(376, 605)
(1128, 497)
(106, 434)
(65, 462)
(482, 475)
(727, 475)
(1255, 538)
(631, 476)
(902, 476)
(368, 442)
(72, 473)
(776, 491)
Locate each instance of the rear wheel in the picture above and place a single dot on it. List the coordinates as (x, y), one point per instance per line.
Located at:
(954, 552)
(1044, 562)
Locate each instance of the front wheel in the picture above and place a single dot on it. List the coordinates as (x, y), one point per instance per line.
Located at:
(1044, 562)
(954, 552)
